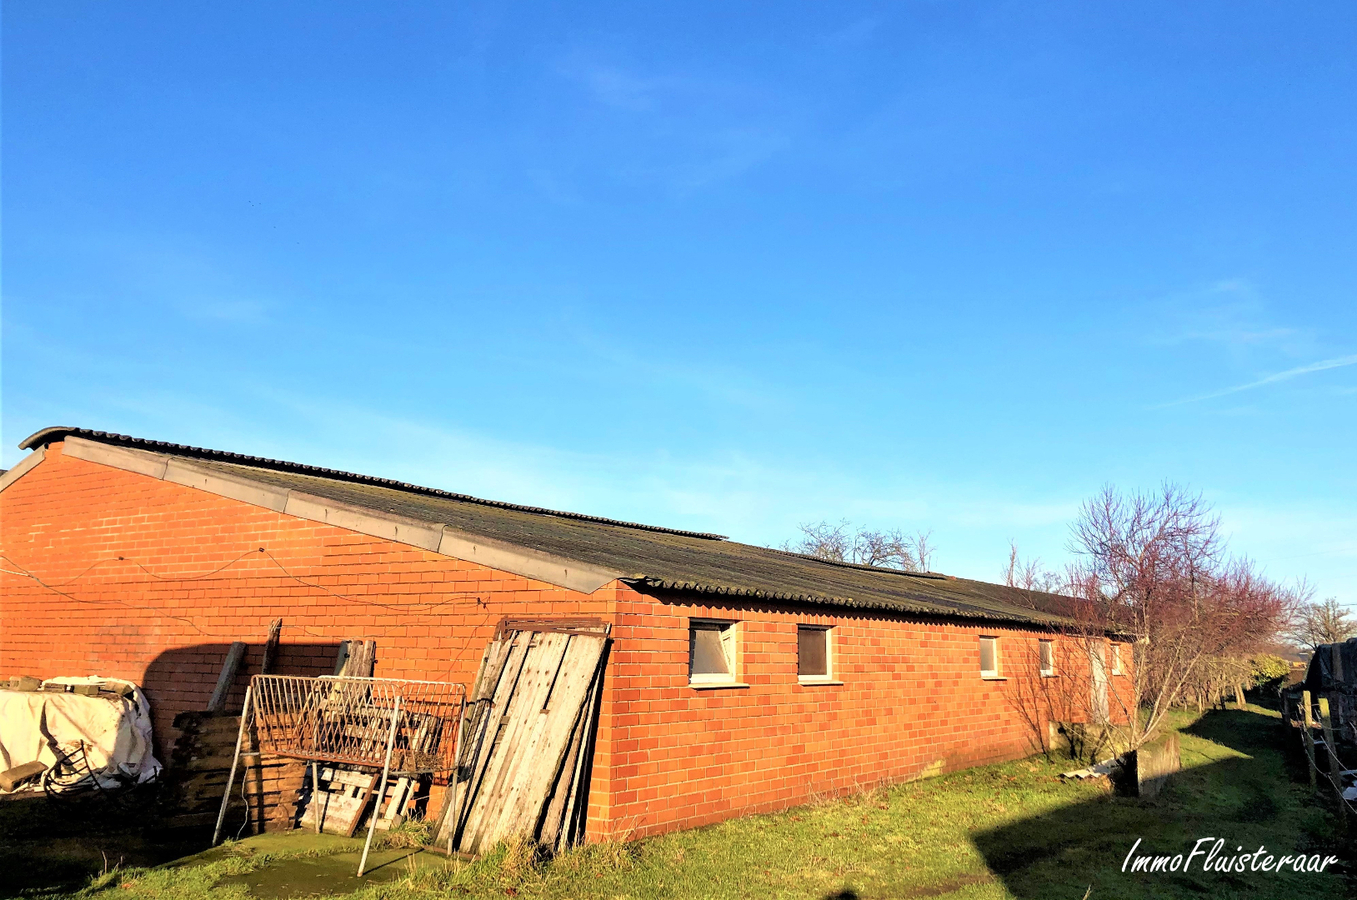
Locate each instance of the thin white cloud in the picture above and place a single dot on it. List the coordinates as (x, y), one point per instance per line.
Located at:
(1335, 363)
(1230, 313)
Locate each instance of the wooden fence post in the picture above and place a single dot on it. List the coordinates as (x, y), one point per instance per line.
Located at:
(1307, 737)
(1331, 745)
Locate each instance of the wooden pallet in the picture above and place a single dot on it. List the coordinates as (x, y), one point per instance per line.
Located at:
(339, 800)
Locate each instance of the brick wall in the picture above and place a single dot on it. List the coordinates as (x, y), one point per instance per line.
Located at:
(912, 703)
(151, 581)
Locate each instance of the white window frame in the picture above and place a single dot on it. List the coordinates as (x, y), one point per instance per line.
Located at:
(1116, 658)
(828, 677)
(1046, 671)
(729, 646)
(995, 673)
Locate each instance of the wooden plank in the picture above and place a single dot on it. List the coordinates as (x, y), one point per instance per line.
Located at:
(344, 776)
(361, 805)
(591, 625)
(492, 670)
(399, 798)
(342, 658)
(228, 675)
(495, 720)
(340, 805)
(546, 749)
(578, 803)
(271, 647)
(554, 815)
(1307, 736)
(521, 716)
(494, 697)
(556, 828)
(565, 780)
(522, 739)
(498, 724)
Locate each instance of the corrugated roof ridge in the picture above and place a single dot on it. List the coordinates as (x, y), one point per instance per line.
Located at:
(1017, 614)
(48, 435)
(862, 567)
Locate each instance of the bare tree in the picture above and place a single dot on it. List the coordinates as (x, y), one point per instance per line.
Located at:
(923, 550)
(845, 543)
(1326, 622)
(823, 541)
(1029, 575)
(1153, 567)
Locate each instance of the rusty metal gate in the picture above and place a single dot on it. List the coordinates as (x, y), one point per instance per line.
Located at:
(399, 726)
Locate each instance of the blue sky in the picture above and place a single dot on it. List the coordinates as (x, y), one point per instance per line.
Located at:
(724, 267)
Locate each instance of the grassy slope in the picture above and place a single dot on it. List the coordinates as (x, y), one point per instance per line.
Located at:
(1012, 830)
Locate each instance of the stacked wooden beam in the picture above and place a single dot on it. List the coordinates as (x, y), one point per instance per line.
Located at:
(200, 763)
(528, 738)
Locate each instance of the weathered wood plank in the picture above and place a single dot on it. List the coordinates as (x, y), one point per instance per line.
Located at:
(555, 831)
(234, 655)
(547, 747)
(271, 647)
(490, 725)
(526, 694)
(398, 797)
(578, 804)
(341, 804)
(520, 752)
(528, 739)
(573, 778)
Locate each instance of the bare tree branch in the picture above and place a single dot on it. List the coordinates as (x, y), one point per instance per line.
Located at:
(845, 543)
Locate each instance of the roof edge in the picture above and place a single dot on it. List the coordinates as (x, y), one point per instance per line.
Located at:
(21, 468)
(55, 433)
(44, 436)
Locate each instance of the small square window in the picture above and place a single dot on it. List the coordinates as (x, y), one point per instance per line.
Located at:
(813, 653)
(711, 652)
(1047, 650)
(1116, 658)
(989, 657)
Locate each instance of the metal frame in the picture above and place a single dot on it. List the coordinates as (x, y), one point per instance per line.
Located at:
(337, 719)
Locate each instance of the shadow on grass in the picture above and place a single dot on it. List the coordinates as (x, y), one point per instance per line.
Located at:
(52, 846)
(1252, 800)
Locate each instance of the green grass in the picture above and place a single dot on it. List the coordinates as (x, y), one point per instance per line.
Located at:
(1012, 830)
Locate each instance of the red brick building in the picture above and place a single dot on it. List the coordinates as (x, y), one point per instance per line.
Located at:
(741, 678)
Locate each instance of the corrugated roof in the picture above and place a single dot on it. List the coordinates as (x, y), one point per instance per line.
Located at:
(647, 556)
(57, 432)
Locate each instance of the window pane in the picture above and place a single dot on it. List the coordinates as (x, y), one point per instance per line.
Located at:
(1047, 656)
(708, 656)
(987, 655)
(812, 651)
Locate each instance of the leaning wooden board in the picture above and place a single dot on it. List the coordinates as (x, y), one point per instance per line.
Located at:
(527, 739)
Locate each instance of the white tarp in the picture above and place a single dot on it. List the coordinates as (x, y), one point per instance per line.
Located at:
(116, 731)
